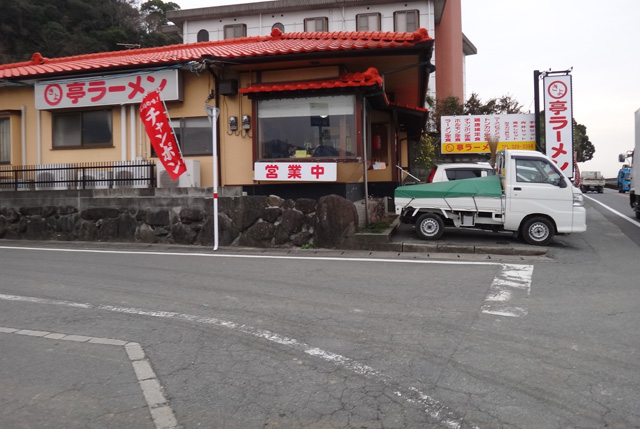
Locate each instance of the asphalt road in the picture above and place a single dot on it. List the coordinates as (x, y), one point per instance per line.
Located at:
(102, 335)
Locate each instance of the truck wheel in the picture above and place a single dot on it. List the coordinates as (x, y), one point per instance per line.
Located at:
(600, 190)
(637, 214)
(537, 231)
(429, 226)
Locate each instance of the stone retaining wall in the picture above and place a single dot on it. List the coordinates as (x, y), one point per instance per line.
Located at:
(144, 217)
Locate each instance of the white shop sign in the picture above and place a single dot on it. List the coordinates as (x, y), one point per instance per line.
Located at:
(107, 90)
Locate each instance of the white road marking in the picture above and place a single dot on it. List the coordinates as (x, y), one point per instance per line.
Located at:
(245, 256)
(510, 276)
(159, 408)
(513, 283)
(623, 216)
(435, 409)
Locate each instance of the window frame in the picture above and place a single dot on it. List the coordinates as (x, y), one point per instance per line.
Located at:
(350, 138)
(369, 15)
(315, 20)
(181, 130)
(6, 151)
(242, 27)
(201, 35)
(81, 116)
(405, 13)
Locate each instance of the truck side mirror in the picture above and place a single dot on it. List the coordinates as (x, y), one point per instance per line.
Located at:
(621, 157)
(562, 182)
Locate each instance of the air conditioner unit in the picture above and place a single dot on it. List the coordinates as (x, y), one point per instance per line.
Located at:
(95, 179)
(188, 179)
(132, 174)
(55, 176)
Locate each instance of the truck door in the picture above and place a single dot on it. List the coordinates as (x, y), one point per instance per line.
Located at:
(538, 186)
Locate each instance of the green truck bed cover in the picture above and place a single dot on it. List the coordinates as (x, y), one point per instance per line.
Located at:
(478, 187)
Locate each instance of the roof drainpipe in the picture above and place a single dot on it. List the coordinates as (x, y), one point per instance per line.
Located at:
(123, 132)
(365, 134)
(23, 132)
(39, 136)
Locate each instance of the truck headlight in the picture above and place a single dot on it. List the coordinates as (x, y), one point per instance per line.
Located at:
(578, 199)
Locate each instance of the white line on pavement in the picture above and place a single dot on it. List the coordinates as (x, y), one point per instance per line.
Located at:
(511, 283)
(224, 255)
(623, 216)
(435, 409)
(161, 412)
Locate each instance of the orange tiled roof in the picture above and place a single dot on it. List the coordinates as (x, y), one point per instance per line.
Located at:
(370, 77)
(274, 44)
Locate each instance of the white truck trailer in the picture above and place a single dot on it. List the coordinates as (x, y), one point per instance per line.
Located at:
(529, 196)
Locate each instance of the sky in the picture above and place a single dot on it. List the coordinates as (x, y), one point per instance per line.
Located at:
(598, 39)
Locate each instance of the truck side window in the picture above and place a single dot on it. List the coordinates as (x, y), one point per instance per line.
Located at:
(536, 171)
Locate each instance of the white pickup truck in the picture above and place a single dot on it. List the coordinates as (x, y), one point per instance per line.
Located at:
(529, 196)
(592, 181)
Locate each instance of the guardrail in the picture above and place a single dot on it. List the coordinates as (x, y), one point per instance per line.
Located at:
(95, 175)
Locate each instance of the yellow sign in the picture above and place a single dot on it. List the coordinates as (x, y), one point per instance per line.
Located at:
(483, 147)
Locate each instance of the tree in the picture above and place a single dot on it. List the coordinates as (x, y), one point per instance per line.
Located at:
(154, 13)
(451, 106)
(73, 27)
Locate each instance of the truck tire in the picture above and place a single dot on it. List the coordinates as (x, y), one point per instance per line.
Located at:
(537, 230)
(600, 189)
(429, 226)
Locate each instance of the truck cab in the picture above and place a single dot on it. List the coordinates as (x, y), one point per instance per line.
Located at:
(535, 187)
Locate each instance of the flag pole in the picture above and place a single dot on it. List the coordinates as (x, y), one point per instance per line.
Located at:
(212, 112)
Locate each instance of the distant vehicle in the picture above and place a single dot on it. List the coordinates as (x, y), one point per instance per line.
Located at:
(530, 197)
(458, 170)
(592, 181)
(624, 179)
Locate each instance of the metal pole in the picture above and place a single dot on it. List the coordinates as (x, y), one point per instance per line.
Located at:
(213, 112)
(536, 102)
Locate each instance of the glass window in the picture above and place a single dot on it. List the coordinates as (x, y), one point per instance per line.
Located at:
(406, 21)
(279, 26)
(5, 141)
(313, 127)
(235, 31)
(92, 128)
(316, 24)
(368, 22)
(536, 171)
(203, 36)
(193, 136)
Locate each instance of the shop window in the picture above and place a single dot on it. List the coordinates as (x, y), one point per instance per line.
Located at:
(313, 127)
(5, 141)
(379, 146)
(235, 31)
(193, 136)
(406, 21)
(88, 129)
(203, 36)
(368, 22)
(316, 24)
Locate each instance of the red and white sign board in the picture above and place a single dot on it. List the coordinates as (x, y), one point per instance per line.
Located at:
(296, 171)
(471, 133)
(106, 90)
(558, 121)
(156, 123)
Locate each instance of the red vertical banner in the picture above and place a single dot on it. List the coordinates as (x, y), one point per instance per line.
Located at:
(161, 135)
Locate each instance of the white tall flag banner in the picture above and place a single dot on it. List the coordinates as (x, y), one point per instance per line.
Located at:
(558, 122)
